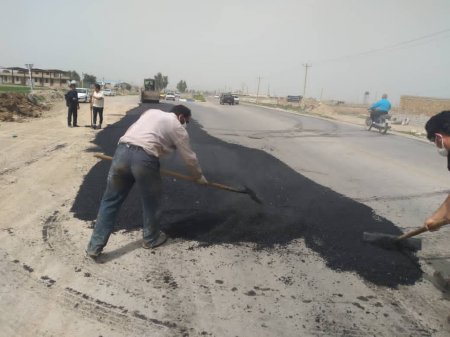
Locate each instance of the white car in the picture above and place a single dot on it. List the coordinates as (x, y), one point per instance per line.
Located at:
(83, 95)
(170, 96)
(108, 92)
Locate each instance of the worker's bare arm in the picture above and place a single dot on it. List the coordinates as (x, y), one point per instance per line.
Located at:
(439, 218)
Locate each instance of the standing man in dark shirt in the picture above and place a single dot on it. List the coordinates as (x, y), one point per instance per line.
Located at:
(73, 105)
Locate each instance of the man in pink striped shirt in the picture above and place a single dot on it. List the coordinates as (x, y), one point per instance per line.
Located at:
(136, 160)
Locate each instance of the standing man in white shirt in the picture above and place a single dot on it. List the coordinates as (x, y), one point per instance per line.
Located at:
(97, 104)
(136, 160)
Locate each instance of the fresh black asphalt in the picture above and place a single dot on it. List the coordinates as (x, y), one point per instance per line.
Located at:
(294, 207)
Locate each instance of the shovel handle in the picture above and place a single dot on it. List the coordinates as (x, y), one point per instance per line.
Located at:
(102, 156)
(164, 172)
(420, 230)
(190, 178)
(180, 176)
(412, 233)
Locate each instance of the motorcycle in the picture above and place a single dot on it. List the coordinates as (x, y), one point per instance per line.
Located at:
(382, 123)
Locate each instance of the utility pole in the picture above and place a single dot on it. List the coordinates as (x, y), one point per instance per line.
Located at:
(257, 91)
(306, 76)
(30, 66)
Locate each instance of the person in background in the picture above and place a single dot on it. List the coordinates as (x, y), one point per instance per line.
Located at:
(136, 160)
(379, 108)
(97, 104)
(73, 105)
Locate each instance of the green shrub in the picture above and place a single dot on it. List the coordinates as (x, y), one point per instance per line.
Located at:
(199, 97)
(14, 88)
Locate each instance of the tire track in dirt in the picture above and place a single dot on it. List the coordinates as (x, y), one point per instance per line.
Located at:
(86, 306)
(33, 160)
(156, 276)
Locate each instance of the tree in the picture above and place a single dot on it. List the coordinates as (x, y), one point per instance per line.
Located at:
(89, 80)
(73, 75)
(125, 86)
(182, 86)
(161, 81)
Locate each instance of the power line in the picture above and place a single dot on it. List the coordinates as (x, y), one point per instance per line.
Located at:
(404, 44)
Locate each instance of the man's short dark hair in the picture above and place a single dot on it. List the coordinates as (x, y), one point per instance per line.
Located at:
(181, 110)
(97, 86)
(439, 123)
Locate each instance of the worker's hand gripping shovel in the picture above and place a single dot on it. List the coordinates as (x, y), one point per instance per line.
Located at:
(244, 190)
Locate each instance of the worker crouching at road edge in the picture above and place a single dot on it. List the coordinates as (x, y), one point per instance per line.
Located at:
(438, 131)
(136, 160)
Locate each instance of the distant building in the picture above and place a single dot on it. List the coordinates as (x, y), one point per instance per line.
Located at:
(52, 78)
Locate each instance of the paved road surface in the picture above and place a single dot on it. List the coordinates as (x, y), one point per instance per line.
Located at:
(402, 178)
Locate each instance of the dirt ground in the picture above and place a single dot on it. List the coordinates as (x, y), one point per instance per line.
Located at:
(49, 288)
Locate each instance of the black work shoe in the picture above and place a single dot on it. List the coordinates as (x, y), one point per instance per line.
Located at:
(69, 125)
(76, 126)
(158, 242)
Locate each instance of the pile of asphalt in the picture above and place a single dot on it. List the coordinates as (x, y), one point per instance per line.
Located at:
(293, 207)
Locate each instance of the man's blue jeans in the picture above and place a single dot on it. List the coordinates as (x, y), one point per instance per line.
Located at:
(131, 164)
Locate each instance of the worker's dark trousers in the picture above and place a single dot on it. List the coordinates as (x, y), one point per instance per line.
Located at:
(72, 113)
(97, 111)
(131, 164)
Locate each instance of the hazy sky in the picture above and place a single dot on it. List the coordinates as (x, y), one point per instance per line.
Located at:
(227, 45)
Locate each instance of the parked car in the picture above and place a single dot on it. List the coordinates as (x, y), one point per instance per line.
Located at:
(170, 96)
(109, 92)
(236, 99)
(227, 98)
(83, 95)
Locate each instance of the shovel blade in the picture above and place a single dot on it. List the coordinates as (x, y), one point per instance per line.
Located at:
(389, 241)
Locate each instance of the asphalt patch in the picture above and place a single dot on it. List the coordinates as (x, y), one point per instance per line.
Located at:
(293, 207)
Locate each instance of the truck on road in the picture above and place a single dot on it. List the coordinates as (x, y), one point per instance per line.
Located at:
(149, 92)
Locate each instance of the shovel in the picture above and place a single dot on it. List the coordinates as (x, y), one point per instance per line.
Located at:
(92, 118)
(245, 190)
(398, 242)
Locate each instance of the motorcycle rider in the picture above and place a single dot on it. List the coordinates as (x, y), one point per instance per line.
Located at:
(380, 108)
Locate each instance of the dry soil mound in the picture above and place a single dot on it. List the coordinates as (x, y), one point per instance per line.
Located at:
(16, 106)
